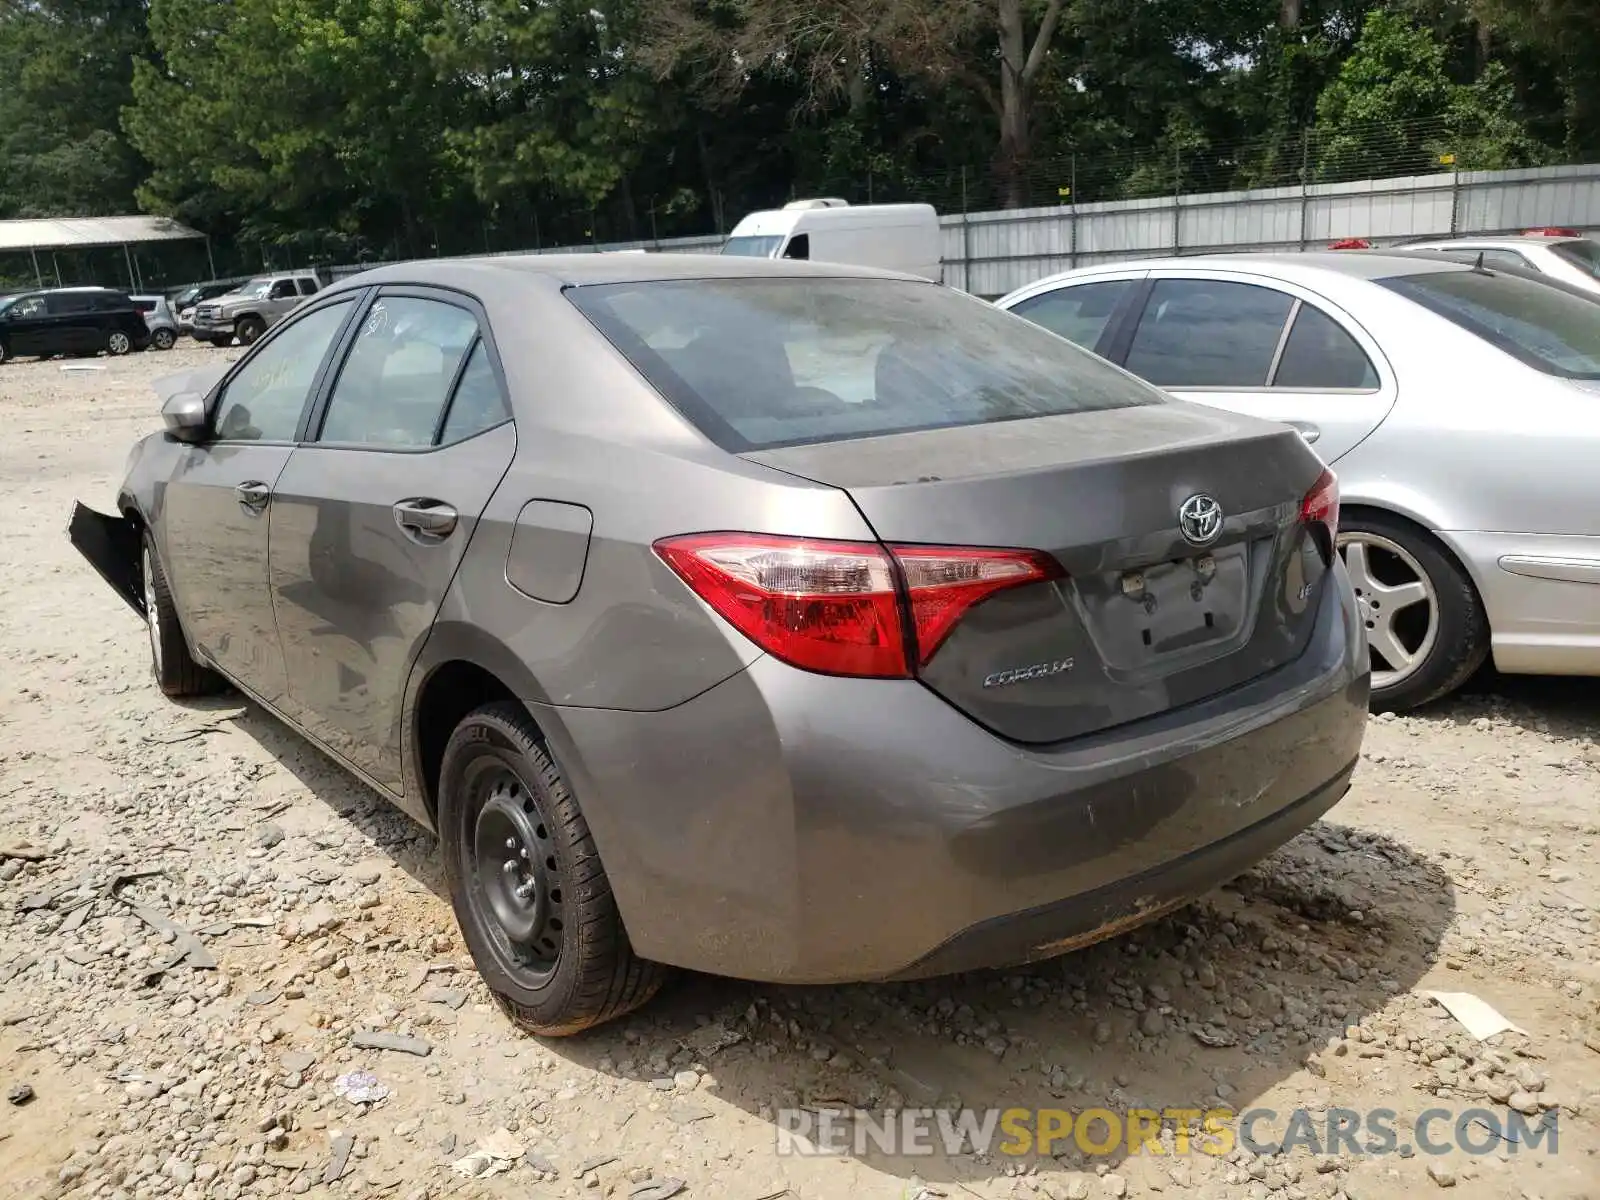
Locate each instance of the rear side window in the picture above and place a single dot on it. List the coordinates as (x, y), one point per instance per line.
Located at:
(759, 363)
(1079, 313)
(1545, 327)
(399, 373)
(1320, 354)
(478, 404)
(1584, 255)
(1204, 333)
(68, 303)
(307, 287)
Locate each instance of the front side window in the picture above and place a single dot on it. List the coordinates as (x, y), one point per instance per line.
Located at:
(759, 363)
(284, 290)
(25, 306)
(399, 372)
(1321, 354)
(1547, 328)
(799, 247)
(265, 400)
(1079, 313)
(308, 287)
(752, 247)
(1205, 333)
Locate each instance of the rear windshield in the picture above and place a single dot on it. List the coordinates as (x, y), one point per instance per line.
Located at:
(760, 363)
(1584, 255)
(1546, 327)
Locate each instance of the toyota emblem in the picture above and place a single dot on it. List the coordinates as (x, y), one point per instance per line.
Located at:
(1200, 519)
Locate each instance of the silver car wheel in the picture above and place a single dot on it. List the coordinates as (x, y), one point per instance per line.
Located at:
(1398, 604)
(118, 343)
(152, 611)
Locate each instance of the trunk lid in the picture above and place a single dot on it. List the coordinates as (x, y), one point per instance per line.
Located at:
(1145, 620)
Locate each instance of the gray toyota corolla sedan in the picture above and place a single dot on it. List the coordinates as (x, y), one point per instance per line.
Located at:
(782, 621)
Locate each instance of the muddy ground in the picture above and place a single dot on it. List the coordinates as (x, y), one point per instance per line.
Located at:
(1463, 860)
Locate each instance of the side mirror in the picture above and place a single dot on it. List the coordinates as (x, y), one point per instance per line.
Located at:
(184, 415)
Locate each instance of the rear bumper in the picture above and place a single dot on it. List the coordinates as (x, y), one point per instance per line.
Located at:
(793, 827)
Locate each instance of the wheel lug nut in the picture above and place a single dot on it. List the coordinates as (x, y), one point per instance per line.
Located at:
(525, 892)
(510, 868)
(511, 843)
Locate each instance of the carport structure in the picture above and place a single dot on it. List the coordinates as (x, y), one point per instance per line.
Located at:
(48, 235)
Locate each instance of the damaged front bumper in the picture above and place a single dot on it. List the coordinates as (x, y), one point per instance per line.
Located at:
(112, 546)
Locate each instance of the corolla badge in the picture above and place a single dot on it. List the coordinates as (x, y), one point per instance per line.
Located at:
(1200, 519)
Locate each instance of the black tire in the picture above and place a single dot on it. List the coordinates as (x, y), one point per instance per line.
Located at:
(218, 342)
(163, 339)
(175, 670)
(5, 352)
(571, 966)
(1461, 637)
(248, 329)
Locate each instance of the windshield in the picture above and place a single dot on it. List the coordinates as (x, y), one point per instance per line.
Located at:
(1550, 329)
(752, 247)
(256, 289)
(759, 363)
(186, 297)
(1585, 255)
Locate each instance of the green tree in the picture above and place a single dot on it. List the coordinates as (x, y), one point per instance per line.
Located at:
(316, 124)
(65, 73)
(1393, 109)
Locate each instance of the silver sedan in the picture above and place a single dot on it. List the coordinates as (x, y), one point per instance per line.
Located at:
(1459, 407)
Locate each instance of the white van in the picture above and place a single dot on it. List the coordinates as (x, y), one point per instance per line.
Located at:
(896, 237)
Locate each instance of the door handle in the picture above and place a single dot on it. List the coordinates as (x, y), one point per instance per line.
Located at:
(1306, 430)
(254, 494)
(429, 518)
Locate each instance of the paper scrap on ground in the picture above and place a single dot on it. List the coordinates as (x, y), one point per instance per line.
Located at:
(497, 1152)
(1478, 1017)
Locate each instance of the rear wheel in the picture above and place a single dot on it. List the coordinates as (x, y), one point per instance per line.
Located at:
(1426, 628)
(5, 351)
(533, 901)
(177, 673)
(248, 329)
(163, 339)
(118, 342)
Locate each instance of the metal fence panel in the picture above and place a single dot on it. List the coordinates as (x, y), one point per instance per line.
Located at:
(991, 253)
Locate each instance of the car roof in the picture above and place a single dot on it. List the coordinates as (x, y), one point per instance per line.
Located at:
(1502, 239)
(580, 270)
(1290, 266)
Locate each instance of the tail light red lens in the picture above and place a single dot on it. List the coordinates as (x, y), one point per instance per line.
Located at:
(1350, 244)
(1550, 231)
(1321, 505)
(839, 607)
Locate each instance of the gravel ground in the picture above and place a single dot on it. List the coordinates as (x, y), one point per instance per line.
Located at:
(221, 917)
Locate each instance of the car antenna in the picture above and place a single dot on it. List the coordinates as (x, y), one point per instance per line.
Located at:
(1478, 266)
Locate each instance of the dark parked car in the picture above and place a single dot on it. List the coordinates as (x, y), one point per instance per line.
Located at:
(793, 622)
(77, 321)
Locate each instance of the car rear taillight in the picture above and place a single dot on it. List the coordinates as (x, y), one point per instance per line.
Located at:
(1350, 244)
(1551, 232)
(1321, 506)
(840, 608)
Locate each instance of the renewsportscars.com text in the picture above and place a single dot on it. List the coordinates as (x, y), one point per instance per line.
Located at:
(1218, 1132)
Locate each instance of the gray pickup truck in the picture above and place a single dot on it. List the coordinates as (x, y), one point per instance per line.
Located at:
(252, 308)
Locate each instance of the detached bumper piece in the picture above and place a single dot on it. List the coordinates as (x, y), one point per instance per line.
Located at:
(112, 546)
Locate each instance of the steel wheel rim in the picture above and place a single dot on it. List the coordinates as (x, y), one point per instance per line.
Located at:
(164, 340)
(119, 343)
(512, 871)
(1391, 589)
(152, 612)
